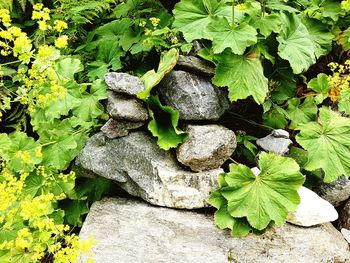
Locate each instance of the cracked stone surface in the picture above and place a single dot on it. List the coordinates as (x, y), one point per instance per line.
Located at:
(114, 129)
(121, 107)
(133, 231)
(142, 169)
(124, 83)
(193, 96)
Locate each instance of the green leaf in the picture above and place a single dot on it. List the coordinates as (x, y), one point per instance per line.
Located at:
(236, 38)
(295, 43)
(167, 62)
(90, 106)
(193, 16)
(163, 124)
(68, 67)
(75, 209)
(280, 5)
(328, 144)
(270, 196)
(344, 102)
(321, 86)
(299, 155)
(107, 57)
(301, 113)
(321, 36)
(61, 143)
(243, 75)
(275, 119)
(33, 183)
(268, 24)
(62, 106)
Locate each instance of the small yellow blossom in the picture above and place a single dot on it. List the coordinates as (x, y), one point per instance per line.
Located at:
(240, 7)
(38, 6)
(38, 152)
(61, 42)
(5, 17)
(155, 21)
(60, 25)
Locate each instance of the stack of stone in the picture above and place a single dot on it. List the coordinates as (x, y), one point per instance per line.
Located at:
(129, 230)
(127, 153)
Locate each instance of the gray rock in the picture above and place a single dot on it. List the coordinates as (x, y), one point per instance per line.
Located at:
(344, 216)
(114, 129)
(142, 169)
(312, 210)
(124, 83)
(278, 142)
(207, 147)
(346, 234)
(121, 107)
(196, 47)
(131, 231)
(195, 65)
(336, 192)
(194, 97)
(279, 133)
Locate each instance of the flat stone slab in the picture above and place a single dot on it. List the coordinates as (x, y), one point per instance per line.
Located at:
(129, 231)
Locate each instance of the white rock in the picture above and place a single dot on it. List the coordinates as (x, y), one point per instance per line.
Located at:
(312, 210)
(346, 234)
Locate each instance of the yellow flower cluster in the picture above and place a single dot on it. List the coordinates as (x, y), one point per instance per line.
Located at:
(30, 216)
(60, 25)
(5, 17)
(155, 21)
(61, 42)
(339, 80)
(42, 15)
(74, 248)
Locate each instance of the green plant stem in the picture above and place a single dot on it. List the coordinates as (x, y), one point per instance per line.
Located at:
(9, 63)
(233, 13)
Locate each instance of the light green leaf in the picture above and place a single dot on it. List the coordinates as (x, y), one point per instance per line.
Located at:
(344, 102)
(243, 75)
(61, 143)
(224, 36)
(295, 43)
(270, 196)
(163, 124)
(167, 62)
(193, 16)
(68, 67)
(321, 86)
(328, 144)
(301, 113)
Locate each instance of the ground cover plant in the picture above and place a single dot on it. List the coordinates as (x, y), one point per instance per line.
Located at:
(288, 60)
